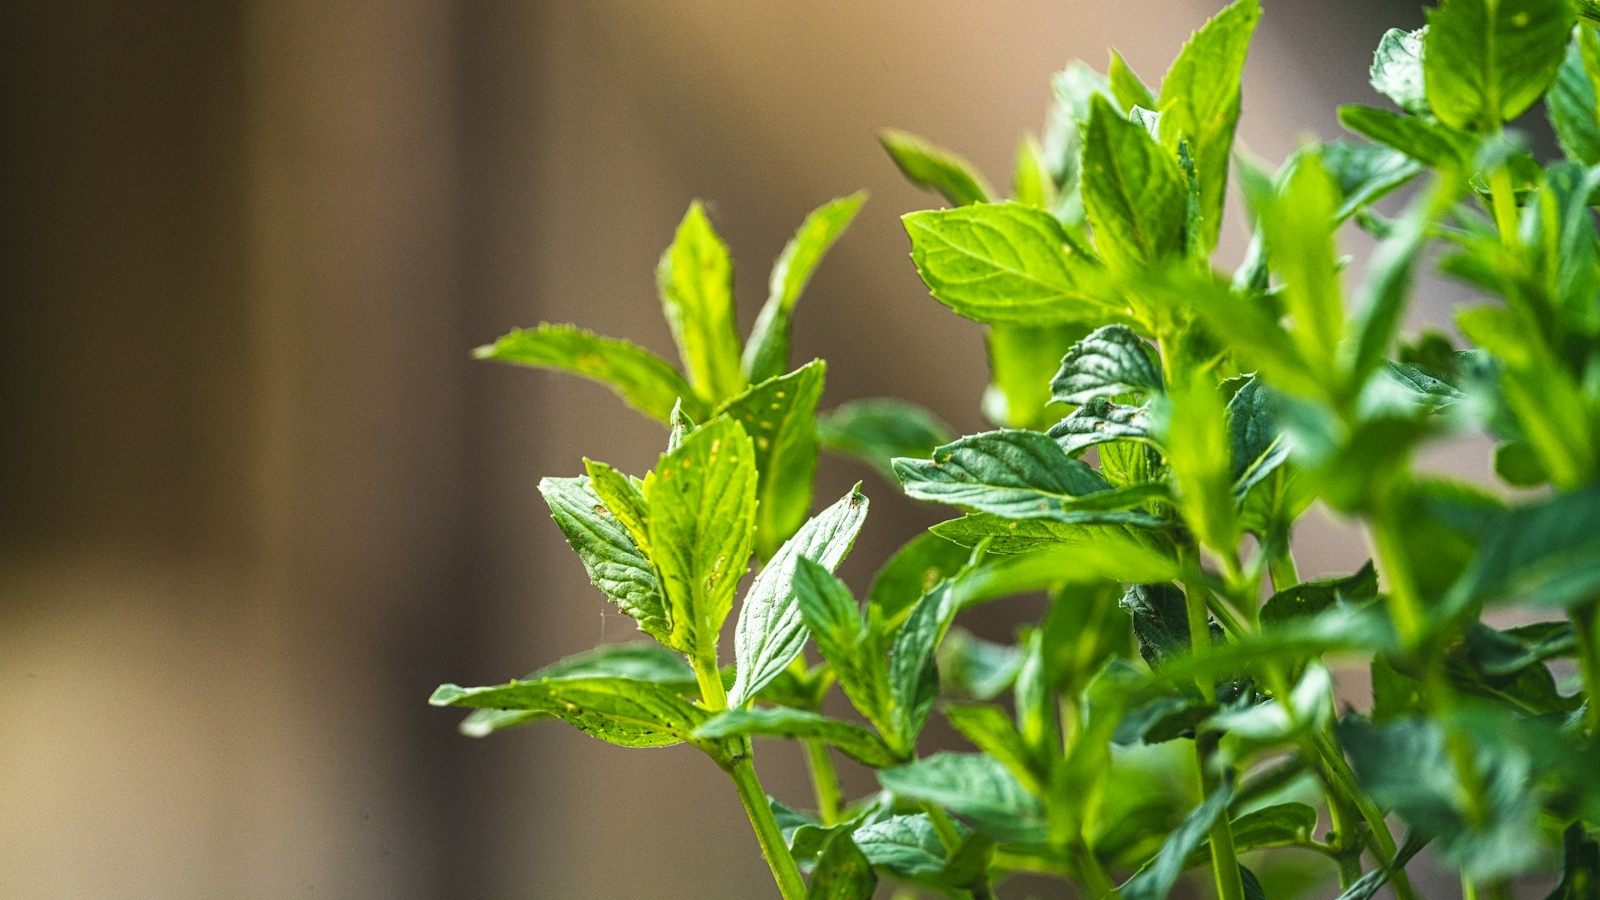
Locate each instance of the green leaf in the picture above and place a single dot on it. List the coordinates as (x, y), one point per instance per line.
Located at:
(639, 660)
(1425, 141)
(1126, 85)
(880, 429)
(935, 169)
(1397, 70)
(1099, 421)
(1485, 62)
(1021, 360)
(1297, 221)
(842, 872)
(771, 632)
(766, 354)
(1111, 360)
(972, 667)
(1499, 653)
(847, 643)
(972, 786)
(911, 572)
(1155, 880)
(913, 674)
(852, 740)
(1133, 191)
(1312, 597)
(645, 381)
(908, 846)
(613, 560)
(1280, 825)
(1200, 106)
(623, 499)
(1088, 552)
(1198, 449)
(779, 415)
(702, 502)
(1021, 475)
(622, 711)
(1259, 448)
(993, 733)
(1008, 263)
(1366, 887)
(1580, 865)
(1031, 183)
(695, 279)
(1365, 173)
(1545, 554)
(1270, 724)
(1572, 104)
(1160, 622)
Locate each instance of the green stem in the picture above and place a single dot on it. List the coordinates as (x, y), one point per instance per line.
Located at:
(943, 827)
(825, 781)
(790, 885)
(1343, 780)
(1586, 625)
(1282, 568)
(1503, 199)
(1091, 873)
(1224, 859)
(713, 696)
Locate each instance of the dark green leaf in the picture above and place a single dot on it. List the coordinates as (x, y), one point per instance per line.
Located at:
(647, 382)
(935, 168)
(1572, 103)
(621, 711)
(1133, 192)
(1312, 597)
(702, 501)
(1365, 173)
(842, 872)
(1099, 421)
(1155, 880)
(911, 572)
(1485, 62)
(847, 643)
(853, 741)
(766, 354)
(913, 674)
(1580, 865)
(1008, 263)
(771, 631)
(779, 415)
(908, 846)
(1160, 621)
(1397, 70)
(972, 786)
(992, 732)
(1546, 554)
(881, 429)
(1258, 447)
(1087, 552)
(613, 560)
(695, 279)
(1111, 360)
(1498, 653)
(1200, 106)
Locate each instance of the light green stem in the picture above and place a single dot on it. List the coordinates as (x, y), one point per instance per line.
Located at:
(1503, 198)
(1224, 859)
(1586, 625)
(790, 885)
(825, 781)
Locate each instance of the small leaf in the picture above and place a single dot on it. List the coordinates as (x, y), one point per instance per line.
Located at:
(1117, 552)
(766, 354)
(1155, 880)
(613, 560)
(1259, 448)
(1126, 85)
(622, 711)
(1008, 263)
(880, 429)
(914, 570)
(1397, 70)
(1485, 62)
(645, 381)
(702, 499)
(908, 846)
(935, 169)
(972, 786)
(853, 741)
(639, 660)
(972, 667)
(993, 733)
(1111, 360)
(779, 414)
(1133, 192)
(695, 278)
(622, 499)
(1297, 221)
(1312, 597)
(842, 872)
(1365, 173)
(913, 675)
(1031, 183)
(1572, 104)
(1195, 435)
(1099, 421)
(1423, 140)
(1366, 887)
(847, 643)
(771, 632)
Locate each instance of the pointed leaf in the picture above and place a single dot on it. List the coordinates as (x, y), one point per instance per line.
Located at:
(993, 733)
(934, 168)
(1259, 447)
(913, 675)
(880, 429)
(766, 354)
(852, 740)
(846, 642)
(1117, 552)
(1397, 70)
(1126, 85)
(908, 846)
(911, 572)
(702, 499)
(1099, 421)
(616, 710)
(1485, 62)
(1133, 192)
(623, 499)
(1572, 103)
(645, 381)
(972, 786)
(1155, 880)
(695, 279)
(780, 416)
(1016, 474)
(639, 660)
(842, 872)
(1546, 553)
(613, 560)
(771, 631)
(1111, 360)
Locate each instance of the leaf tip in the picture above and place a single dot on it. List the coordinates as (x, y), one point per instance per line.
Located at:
(446, 694)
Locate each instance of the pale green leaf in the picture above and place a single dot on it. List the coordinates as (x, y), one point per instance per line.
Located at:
(1021, 360)
(1297, 220)
(1117, 552)
(613, 560)
(974, 668)
(779, 414)
(1198, 449)
(622, 711)
(993, 733)
(695, 278)
(913, 674)
(879, 429)
(934, 168)
(1031, 183)
(766, 354)
(1421, 139)
(1573, 104)
(623, 499)
(645, 381)
(1127, 86)
(1133, 192)
(908, 846)
(1156, 879)
(1397, 70)
(973, 786)
(640, 660)
(842, 871)
(1485, 62)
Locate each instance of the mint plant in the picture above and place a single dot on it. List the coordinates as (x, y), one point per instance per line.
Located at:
(1162, 428)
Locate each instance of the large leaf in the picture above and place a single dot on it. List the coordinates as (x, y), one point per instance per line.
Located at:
(1200, 106)
(639, 660)
(852, 740)
(1546, 553)
(1133, 191)
(935, 168)
(771, 632)
(1573, 104)
(613, 560)
(647, 382)
(766, 354)
(702, 503)
(1297, 220)
(1485, 62)
(1007, 263)
(695, 278)
(622, 711)
(779, 414)
(908, 846)
(974, 787)
(880, 429)
(1111, 360)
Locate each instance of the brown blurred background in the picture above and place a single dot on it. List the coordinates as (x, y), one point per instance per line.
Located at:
(256, 499)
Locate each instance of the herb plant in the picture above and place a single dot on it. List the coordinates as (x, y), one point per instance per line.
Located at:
(1163, 427)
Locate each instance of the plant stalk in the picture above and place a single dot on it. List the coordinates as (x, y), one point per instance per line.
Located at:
(784, 871)
(1586, 624)
(1224, 859)
(824, 781)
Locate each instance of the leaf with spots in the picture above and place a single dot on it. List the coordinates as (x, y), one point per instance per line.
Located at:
(610, 555)
(779, 414)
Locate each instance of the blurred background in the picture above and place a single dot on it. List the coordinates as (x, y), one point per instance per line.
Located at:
(257, 500)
